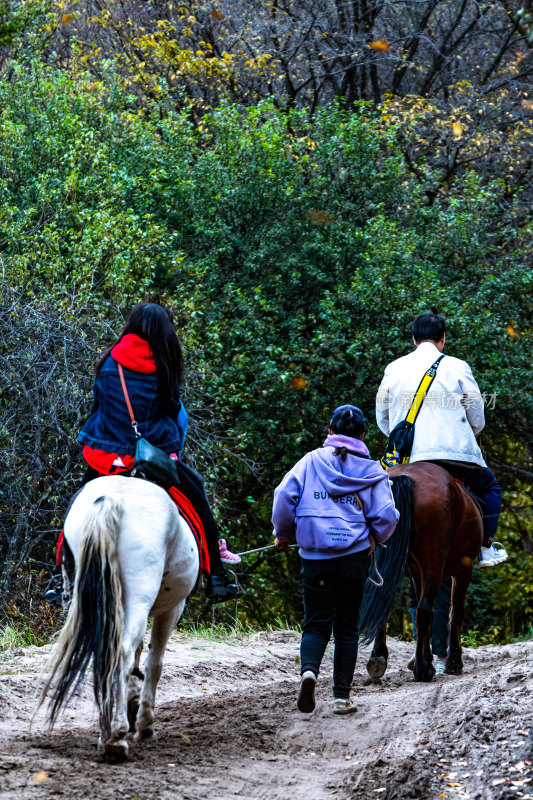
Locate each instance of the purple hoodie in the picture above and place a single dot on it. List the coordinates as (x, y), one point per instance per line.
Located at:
(320, 499)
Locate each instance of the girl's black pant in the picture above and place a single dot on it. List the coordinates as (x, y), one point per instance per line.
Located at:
(332, 592)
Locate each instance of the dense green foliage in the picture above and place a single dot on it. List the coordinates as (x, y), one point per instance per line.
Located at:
(296, 251)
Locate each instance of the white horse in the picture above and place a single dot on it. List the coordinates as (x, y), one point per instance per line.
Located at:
(135, 556)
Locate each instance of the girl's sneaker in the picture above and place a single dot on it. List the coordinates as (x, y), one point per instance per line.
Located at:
(306, 695)
(226, 557)
(343, 705)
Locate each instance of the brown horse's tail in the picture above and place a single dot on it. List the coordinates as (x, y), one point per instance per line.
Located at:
(390, 562)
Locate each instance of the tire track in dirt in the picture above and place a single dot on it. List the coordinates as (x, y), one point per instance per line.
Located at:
(228, 729)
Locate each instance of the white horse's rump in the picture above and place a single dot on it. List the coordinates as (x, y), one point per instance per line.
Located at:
(135, 556)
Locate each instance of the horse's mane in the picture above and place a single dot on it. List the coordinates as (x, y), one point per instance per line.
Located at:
(390, 562)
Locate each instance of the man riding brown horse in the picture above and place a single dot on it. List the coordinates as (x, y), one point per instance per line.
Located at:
(450, 418)
(440, 532)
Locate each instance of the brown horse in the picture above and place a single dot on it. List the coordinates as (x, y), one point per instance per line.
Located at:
(439, 535)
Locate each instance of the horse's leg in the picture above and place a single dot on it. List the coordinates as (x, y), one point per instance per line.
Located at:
(161, 630)
(423, 668)
(116, 747)
(377, 663)
(134, 689)
(454, 662)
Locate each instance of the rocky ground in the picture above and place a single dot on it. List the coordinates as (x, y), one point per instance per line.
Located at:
(228, 728)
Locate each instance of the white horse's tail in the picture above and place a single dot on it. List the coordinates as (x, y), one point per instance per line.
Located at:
(95, 623)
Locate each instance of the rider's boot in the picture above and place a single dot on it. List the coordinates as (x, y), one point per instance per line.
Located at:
(221, 588)
(54, 596)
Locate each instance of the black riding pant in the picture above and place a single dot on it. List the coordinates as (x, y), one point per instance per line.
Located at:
(332, 592)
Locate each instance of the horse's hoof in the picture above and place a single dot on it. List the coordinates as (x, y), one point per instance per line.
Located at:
(424, 675)
(145, 735)
(453, 669)
(115, 752)
(376, 667)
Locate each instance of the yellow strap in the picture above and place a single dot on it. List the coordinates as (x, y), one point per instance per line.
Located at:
(358, 500)
(418, 399)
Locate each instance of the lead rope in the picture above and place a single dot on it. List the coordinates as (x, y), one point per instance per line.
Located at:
(377, 583)
(380, 580)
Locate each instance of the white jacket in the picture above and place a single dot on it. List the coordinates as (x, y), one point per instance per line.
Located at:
(451, 414)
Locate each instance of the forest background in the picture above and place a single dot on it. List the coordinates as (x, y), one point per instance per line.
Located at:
(297, 179)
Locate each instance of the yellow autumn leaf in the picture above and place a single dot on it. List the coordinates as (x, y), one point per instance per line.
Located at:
(380, 44)
(40, 777)
(298, 383)
(511, 331)
(66, 18)
(457, 130)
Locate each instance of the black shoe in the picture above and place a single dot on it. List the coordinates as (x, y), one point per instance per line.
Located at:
(54, 596)
(219, 589)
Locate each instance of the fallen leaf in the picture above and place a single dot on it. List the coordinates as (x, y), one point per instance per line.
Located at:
(216, 13)
(41, 777)
(380, 44)
(185, 738)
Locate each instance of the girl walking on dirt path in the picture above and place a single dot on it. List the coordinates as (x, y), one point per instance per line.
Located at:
(339, 503)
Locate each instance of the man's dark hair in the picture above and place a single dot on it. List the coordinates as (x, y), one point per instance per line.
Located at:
(428, 326)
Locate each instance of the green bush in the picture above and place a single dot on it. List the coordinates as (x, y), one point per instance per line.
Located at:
(297, 252)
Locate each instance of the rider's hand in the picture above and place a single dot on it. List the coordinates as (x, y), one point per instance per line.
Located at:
(281, 544)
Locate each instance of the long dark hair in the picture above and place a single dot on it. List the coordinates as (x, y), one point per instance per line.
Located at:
(154, 324)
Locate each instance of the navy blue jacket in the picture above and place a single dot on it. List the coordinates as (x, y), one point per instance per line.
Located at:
(109, 426)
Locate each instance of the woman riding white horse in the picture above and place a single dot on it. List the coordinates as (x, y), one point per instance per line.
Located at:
(149, 353)
(135, 557)
(134, 554)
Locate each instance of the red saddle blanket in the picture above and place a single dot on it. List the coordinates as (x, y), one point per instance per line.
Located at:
(187, 511)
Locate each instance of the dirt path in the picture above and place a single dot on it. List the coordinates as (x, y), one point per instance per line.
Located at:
(228, 729)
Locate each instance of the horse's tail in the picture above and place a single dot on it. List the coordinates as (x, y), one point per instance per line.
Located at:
(390, 562)
(95, 623)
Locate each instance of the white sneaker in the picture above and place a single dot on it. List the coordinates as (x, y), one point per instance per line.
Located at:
(306, 695)
(343, 705)
(490, 556)
(503, 555)
(440, 666)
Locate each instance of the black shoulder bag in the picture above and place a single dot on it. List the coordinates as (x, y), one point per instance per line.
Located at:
(400, 442)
